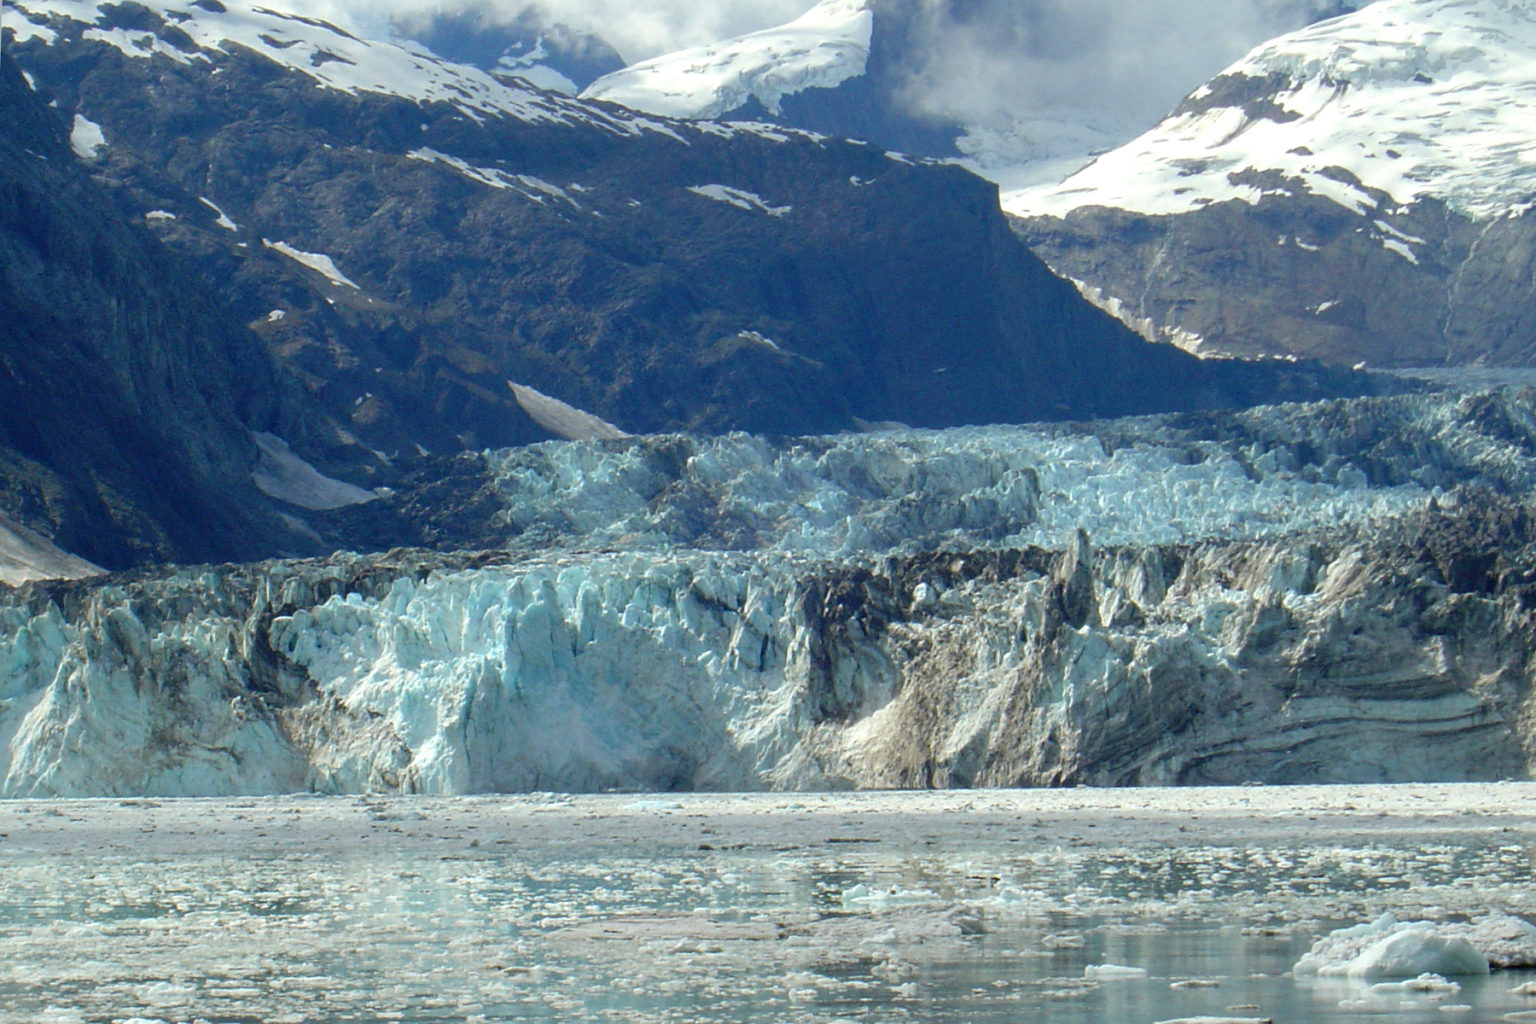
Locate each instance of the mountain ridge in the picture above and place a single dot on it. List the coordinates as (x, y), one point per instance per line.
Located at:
(1358, 190)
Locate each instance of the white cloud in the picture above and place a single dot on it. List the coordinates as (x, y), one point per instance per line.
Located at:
(1087, 47)
(638, 29)
(1121, 60)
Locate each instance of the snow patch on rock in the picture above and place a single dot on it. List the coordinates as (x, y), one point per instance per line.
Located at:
(561, 419)
(739, 198)
(26, 556)
(328, 55)
(318, 262)
(283, 475)
(86, 138)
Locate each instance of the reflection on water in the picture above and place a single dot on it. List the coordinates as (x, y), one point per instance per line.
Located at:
(719, 936)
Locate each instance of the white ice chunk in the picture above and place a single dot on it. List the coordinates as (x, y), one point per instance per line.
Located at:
(862, 897)
(1423, 983)
(1113, 972)
(1388, 948)
(283, 475)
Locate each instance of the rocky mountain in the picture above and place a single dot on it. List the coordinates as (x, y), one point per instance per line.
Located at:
(1341, 591)
(281, 290)
(1358, 190)
(128, 400)
(995, 84)
(452, 259)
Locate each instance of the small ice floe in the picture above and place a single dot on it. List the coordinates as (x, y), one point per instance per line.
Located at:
(1423, 983)
(1113, 972)
(1389, 948)
(1527, 989)
(865, 898)
(1218, 1020)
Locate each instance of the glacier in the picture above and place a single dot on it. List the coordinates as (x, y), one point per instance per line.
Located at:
(1315, 593)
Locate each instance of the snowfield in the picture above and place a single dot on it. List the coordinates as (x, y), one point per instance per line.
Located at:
(1403, 101)
(824, 47)
(330, 56)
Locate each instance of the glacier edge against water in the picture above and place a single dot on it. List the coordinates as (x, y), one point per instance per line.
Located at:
(1305, 593)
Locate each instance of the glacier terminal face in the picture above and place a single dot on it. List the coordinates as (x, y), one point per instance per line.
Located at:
(1316, 593)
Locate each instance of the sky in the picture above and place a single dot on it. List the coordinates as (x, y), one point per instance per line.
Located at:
(1173, 34)
(636, 28)
(1041, 79)
(1132, 59)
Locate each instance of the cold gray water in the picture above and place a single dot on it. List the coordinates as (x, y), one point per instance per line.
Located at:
(646, 909)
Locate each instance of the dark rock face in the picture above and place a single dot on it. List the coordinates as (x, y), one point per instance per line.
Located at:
(1392, 284)
(1299, 275)
(576, 258)
(126, 397)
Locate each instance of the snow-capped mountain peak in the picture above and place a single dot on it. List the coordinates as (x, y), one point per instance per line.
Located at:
(1400, 101)
(824, 47)
(189, 31)
(548, 54)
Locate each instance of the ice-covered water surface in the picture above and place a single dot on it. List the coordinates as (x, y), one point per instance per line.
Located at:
(1067, 906)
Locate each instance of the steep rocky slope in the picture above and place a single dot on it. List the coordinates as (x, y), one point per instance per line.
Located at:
(1331, 592)
(414, 235)
(127, 400)
(1358, 190)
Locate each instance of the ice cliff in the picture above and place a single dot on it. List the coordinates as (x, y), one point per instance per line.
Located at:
(1329, 592)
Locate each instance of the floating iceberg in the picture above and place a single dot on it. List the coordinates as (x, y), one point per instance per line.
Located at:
(1421, 950)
